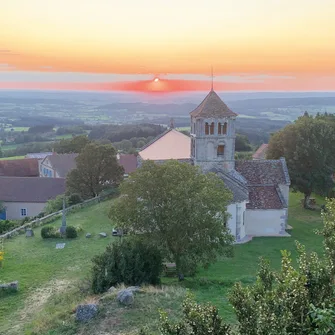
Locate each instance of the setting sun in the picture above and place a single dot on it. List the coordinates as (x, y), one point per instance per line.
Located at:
(156, 80)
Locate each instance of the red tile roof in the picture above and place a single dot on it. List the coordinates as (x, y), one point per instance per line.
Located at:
(129, 162)
(264, 197)
(261, 152)
(27, 167)
(262, 172)
(30, 189)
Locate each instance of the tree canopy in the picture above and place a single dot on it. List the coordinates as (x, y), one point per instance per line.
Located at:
(97, 169)
(71, 145)
(309, 148)
(178, 208)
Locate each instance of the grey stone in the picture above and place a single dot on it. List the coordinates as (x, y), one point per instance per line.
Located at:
(88, 235)
(111, 289)
(29, 233)
(102, 234)
(60, 245)
(10, 286)
(125, 297)
(86, 312)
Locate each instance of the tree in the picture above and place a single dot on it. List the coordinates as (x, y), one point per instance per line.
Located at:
(242, 143)
(97, 169)
(309, 148)
(294, 300)
(178, 208)
(75, 144)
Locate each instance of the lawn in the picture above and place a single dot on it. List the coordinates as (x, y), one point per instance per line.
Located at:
(17, 128)
(8, 147)
(52, 282)
(37, 265)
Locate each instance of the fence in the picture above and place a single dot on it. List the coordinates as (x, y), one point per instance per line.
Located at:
(53, 216)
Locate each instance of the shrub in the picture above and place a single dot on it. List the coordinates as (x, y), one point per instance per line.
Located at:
(131, 262)
(79, 229)
(196, 320)
(55, 205)
(7, 225)
(71, 232)
(49, 232)
(74, 199)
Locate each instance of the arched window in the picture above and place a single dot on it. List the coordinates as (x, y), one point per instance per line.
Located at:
(212, 128)
(219, 128)
(206, 128)
(220, 151)
(224, 131)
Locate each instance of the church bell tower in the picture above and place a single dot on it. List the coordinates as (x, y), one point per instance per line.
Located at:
(213, 134)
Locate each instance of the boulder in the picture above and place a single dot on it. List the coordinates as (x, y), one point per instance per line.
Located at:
(85, 313)
(29, 233)
(10, 286)
(125, 297)
(88, 235)
(102, 234)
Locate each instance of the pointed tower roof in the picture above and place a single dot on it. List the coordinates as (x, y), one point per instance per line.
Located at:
(213, 106)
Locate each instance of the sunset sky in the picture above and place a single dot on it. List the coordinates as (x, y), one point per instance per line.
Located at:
(123, 45)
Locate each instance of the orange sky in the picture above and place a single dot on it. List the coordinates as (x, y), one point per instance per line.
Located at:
(276, 38)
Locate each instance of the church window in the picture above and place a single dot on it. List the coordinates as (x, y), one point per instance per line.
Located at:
(219, 128)
(220, 150)
(206, 128)
(212, 128)
(224, 130)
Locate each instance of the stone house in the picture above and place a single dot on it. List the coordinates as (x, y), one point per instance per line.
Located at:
(27, 196)
(260, 188)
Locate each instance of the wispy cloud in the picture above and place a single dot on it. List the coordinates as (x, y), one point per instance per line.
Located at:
(8, 52)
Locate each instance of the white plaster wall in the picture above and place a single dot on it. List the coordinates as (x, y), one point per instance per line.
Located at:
(231, 209)
(264, 222)
(13, 209)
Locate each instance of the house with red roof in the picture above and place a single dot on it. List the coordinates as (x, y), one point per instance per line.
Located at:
(260, 187)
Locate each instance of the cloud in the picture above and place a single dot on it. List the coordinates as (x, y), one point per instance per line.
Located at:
(6, 67)
(8, 52)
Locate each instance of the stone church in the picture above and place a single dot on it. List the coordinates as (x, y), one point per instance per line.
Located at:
(260, 188)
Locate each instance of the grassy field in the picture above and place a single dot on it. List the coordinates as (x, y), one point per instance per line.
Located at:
(17, 128)
(52, 282)
(8, 147)
(9, 158)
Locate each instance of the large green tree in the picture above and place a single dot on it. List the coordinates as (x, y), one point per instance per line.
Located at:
(178, 208)
(71, 145)
(309, 148)
(97, 169)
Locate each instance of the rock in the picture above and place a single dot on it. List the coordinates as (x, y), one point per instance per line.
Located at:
(86, 312)
(29, 233)
(111, 289)
(133, 289)
(125, 297)
(10, 286)
(102, 234)
(88, 235)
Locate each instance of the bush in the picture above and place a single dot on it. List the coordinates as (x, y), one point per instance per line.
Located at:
(79, 229)
(71, 232)
(49, 232)
(131, 262)
(7, 225)
(55, 205)
(74, 199)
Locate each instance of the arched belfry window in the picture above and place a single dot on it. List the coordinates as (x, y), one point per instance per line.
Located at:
(220, 150)
(206, 128)
(219, 128)
(212, 128)
(224, 130)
